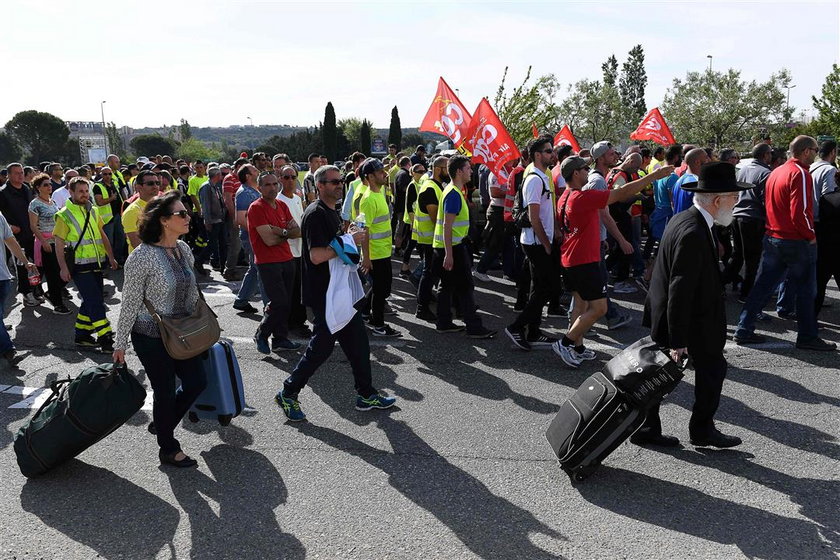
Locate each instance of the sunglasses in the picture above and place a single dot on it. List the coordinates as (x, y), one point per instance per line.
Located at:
(150, 183)
(180, 213)
(287, 176)
(331, 182)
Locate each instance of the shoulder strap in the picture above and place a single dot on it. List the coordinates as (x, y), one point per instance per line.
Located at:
(84, 227)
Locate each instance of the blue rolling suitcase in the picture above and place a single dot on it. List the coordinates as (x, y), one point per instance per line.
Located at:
(224, 396)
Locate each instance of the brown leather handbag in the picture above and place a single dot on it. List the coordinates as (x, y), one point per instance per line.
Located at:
(186, 337)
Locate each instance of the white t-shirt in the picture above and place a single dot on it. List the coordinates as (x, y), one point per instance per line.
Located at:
(296, 208)
(536, 191)
(61, 196)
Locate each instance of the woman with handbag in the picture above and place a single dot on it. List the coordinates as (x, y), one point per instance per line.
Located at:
(159, 290)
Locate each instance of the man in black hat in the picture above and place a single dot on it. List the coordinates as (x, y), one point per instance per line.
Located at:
(685, 306)
(419, 155)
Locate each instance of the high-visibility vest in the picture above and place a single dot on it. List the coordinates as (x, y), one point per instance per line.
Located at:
(461, 226)
(358, 193)
(416, 186)
(378, 224)
(424, 225)
(105, 212)
(91, 249)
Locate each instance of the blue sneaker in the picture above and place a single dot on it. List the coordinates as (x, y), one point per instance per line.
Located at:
(375, 401)
(262, 344)
(291, 407)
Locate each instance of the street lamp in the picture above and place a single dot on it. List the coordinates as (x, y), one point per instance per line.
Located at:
(710, 61)
(251, 121)
(104, 130)
(788, 88)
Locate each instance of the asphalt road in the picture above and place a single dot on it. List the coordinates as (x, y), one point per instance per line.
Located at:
(460, 469)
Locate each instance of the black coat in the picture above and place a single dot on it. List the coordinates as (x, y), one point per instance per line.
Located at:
(685, 305)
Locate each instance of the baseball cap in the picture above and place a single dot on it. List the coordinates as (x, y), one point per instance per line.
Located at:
(421, 147)
(370, 165)
(572, 164)
(600, 149)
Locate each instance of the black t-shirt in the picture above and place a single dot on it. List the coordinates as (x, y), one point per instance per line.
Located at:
(427, 197)
(320, 225)
(410, 196)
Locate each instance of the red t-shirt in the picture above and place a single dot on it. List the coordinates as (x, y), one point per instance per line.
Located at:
(231, 184)
(581, 225)
(261, 213)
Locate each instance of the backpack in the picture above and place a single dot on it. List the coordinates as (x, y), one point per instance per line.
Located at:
(519, 211)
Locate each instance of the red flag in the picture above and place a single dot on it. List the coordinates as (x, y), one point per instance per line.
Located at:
(489, 142)
(565, 137)
(654, 128)
(534, 130)
(447, 115)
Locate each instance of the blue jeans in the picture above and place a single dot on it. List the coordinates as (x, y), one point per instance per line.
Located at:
(6, 343)
(798, 259)
(251, 282)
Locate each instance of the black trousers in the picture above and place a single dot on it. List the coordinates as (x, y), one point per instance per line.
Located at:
(456, 283)
(494, 238)
(381, 278)
(747, 238)
(543, 275)
(50, 269)
(297, 313)
(709, 373)
(278, 280)
(617, 262)
(170, 403)
(409, 245)
(428, 278)
(354, 343)
(828, 262)
(27, 243)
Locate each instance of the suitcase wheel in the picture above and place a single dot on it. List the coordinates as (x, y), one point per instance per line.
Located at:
(224, 419)
(193, 417)
(583, 473)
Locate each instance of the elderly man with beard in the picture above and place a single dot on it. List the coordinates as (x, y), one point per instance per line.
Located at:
(685, 307)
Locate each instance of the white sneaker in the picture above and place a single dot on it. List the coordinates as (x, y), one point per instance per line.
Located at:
(566, 353)
(480, 276)
(624, 288)
(587, 354)
(30, 300)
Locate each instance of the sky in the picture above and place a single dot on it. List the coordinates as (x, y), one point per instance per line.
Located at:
(216, 63)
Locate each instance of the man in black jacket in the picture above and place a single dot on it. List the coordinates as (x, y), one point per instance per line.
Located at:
(685, 307)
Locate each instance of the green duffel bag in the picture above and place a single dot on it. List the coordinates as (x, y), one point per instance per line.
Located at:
(77, 414)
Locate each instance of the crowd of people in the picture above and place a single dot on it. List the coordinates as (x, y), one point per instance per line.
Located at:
(595, 219)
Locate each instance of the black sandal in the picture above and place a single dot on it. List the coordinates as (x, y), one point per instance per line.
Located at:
(169, 459)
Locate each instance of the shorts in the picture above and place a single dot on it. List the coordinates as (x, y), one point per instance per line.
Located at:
(587, 280)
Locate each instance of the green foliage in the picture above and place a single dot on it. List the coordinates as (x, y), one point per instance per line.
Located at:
(594, 112)
(152, 145)
(719, 109)
(395, 130)
(9, 149)
(410, 142)
(352, 130)
(632, 83)
(115, 140)
(364, 137)
(192, 149)
(610, 70)
(298, 146)
(71, 154)
(527, 105)
(185, 130)
(42, 136)
(828, 104)
(330, 133)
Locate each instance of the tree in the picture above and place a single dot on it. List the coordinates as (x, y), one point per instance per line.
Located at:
(185, 130)
(42, 136)
(527, 105)
(632, 83)
(153, 144)
(395, 130)
(193, 149)
(115, 140)
(610, 70)
(352, 128)
(719, 109)
(330, 133)
(829, 104)
(411, 140)
(9, 149)
(593, 111)
(364, 137)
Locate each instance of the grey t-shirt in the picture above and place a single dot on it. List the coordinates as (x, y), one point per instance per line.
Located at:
(822, 172)
(46, 214)
(598, 183)
(5, 232)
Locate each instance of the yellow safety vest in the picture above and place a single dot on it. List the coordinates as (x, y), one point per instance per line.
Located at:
(91, 249)
(424, 225)
(378, 223)
(358, 193)
(461, 226)
(105, 212)
(407, 210)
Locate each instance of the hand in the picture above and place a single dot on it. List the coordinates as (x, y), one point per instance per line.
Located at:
(367, 265)
(359, 234)
(677, 354)
(64, 273)
(547, 247)
(291, 224)
(15, 229)
(47, 247)
(31, 267)
(448, 262)
(119, 356)
(663, 171)
(114, 264)
(626, 247)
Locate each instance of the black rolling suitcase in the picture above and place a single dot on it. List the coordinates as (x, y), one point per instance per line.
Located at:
(77, 414)
(590, 425)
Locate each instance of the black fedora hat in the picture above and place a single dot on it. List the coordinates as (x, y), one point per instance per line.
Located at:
(717, 177)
